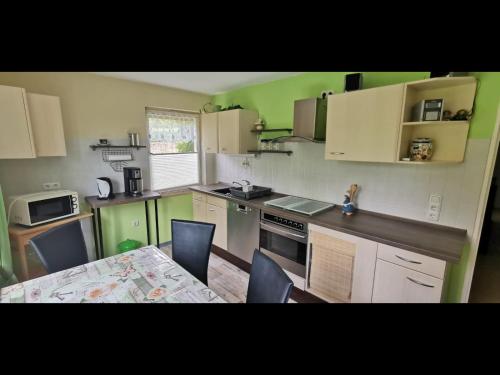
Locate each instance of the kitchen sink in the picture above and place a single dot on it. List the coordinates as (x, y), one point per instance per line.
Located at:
(222, 191)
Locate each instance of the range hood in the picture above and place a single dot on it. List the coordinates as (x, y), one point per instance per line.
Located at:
(309, 121)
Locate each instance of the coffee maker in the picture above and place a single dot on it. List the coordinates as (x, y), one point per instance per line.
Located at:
(133, 181)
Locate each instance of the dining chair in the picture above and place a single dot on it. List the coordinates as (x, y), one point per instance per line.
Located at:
(191, 246)
(268, 282)
(61, 248)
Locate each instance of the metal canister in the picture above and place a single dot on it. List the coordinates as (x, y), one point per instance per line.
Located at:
(133, 139)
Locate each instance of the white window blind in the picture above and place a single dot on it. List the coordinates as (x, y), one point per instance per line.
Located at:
(173, 141)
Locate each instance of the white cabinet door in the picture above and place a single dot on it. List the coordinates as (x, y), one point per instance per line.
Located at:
(364, 125)
(395, 284)
(16, 138)
(229, 132)
(47, 125)
(341, 267)
(218, 216)
(235, 131)
(199, 210)
(209, 133)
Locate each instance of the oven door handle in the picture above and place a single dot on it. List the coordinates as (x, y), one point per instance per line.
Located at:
(283, 232)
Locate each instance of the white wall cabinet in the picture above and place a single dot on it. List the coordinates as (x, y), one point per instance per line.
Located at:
(47, 124)
(16, 140)
(228, 132)
(364, 125)
(234, 131)
(31, 125)
(209, 133)
(209, 209)
(340, 267)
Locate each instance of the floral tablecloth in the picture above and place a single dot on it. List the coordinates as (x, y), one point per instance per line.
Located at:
(138, 276)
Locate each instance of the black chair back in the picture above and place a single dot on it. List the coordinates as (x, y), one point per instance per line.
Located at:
(191, 246)
(268, 282)
(61, 248)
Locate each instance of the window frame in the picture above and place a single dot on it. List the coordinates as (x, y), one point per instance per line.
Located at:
(198, 146)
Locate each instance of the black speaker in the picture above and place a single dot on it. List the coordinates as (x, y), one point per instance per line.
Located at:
(439, 74)
(353, 82)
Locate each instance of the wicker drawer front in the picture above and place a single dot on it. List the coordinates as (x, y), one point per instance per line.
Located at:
(418, 262)
(332, 265)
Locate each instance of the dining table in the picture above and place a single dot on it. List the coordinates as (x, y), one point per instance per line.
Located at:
(144, 275)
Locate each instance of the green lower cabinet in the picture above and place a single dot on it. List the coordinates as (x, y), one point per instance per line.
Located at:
(119, 222)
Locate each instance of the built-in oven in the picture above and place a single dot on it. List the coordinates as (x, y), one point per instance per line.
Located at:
(285, 241)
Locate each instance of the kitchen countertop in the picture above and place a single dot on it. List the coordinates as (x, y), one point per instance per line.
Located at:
(121, 198)
(433, 240)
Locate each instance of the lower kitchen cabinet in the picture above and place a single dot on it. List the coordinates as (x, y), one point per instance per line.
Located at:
(199, 210)
(341, 267)
(395, 284)
(218, 216)
(407, 277)
(212, 210)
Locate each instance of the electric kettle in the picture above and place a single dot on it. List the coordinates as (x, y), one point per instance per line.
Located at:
(105, 188)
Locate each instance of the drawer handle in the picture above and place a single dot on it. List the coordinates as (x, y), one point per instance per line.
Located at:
(337, 153)
(408, 260)
(211, 209)
(420, 283)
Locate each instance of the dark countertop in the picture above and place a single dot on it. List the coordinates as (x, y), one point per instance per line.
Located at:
(433, 240)
(121, 198)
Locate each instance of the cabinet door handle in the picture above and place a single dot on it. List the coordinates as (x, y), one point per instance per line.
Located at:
(407, 260)
(337, 153)
(419, 282)
(309, 265)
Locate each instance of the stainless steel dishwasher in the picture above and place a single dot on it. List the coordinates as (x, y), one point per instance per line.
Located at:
(242, 230)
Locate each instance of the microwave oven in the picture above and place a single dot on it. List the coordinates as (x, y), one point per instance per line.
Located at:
(43, 207)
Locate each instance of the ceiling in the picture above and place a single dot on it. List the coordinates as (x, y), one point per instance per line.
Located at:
(203, 82)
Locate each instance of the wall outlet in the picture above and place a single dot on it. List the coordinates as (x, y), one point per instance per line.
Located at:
(434, 207)
(135, 223)
(51, 185)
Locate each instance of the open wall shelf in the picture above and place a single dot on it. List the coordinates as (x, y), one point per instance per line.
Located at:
(94, 147)
(257, 152)
(271, 130)
(449, 138)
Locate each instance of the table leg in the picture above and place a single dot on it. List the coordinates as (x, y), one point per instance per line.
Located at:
(147, 222)
(94, 227)
(156, 221)
(101, 246)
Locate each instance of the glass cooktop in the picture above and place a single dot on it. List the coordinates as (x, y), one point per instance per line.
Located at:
(300, 205)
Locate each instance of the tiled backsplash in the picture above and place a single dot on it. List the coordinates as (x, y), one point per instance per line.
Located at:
(400, 190)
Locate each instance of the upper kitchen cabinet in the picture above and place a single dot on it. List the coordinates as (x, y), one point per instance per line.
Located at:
(449, 138)
(234, 131)
(17, 140)
(47, 125)
(364, 125)
(209, 133)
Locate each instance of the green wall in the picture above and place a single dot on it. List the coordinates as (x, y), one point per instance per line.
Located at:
(274, 102)
(117, 221)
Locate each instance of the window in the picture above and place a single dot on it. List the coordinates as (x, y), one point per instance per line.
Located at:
(173, 147)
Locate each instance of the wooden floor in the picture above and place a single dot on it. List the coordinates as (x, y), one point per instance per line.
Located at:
(225, 279)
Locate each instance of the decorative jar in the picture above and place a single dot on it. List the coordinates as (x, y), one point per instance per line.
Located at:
(421, 149)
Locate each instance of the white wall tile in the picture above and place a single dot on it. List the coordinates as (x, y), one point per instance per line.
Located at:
(395, 189)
